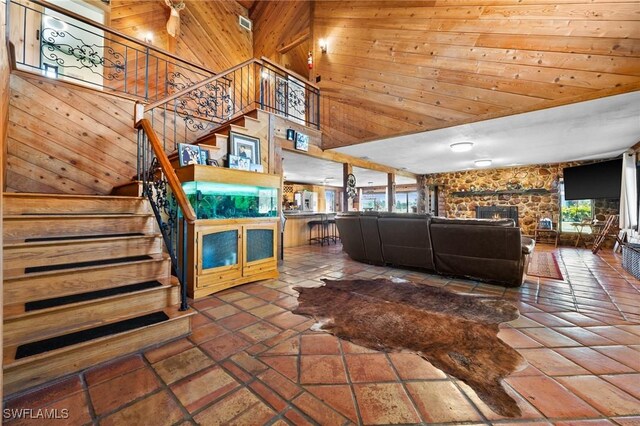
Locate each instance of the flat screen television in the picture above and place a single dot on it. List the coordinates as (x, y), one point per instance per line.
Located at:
(591, 181)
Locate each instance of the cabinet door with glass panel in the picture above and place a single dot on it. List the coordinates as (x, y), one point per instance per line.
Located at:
(219, 254)
(259, 248)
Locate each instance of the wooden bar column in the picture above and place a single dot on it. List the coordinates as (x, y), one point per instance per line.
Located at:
(391, 191)
(347, 203)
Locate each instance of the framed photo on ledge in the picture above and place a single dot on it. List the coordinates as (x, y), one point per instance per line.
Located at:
(204, 156)
(302, 142)
(188, 154)
(245, 147)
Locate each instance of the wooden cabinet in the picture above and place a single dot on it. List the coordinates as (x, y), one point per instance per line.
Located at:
(235, 237)
(227, 255)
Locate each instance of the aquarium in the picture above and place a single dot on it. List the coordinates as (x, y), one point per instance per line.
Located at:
(213, 200)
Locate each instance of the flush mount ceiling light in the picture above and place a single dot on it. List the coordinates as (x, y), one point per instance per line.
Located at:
(461, 146)
(482, 163)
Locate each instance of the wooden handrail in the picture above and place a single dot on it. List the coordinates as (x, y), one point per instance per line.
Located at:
(183, 92)
(110, 30)
(169, 172)
(295, 74)
(260, 62)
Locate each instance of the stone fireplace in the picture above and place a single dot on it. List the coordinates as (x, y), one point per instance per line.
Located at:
(497, 212)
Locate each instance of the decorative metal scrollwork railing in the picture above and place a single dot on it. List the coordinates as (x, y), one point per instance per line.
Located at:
(57, 43)
(170, 205)
(194, 111)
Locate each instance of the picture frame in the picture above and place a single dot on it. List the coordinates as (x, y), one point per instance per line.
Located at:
(213, 162)
(302, 142)
(234, 162)
(244, 163)
(204, 156)
(256, 168)
(188, 154)
(291, 134)
(245, 146)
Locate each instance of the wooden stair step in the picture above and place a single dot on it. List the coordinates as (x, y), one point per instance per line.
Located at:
(22, 227)
(20, 203)
(76, 265)
(30, 287)
(129, 189)
(47, 323)
(79, 237)
(24, 373)
(66, 250)
(53, 302)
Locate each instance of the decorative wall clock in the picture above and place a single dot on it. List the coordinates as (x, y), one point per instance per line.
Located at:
(351, 186)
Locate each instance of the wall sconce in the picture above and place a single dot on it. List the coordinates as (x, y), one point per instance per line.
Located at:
(323, 45)
(148, 38)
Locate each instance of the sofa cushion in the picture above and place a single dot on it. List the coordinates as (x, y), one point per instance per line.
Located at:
(490, 252)
(405, 240)
(351, 236)
(371, 238)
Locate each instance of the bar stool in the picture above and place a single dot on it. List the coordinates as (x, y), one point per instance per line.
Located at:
(332, 233)
(315, 224)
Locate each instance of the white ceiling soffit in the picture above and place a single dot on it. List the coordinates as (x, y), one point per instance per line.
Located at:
(306, 169)
(601, 128)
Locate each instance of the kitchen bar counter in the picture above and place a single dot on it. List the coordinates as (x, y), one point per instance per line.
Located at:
(296, 230)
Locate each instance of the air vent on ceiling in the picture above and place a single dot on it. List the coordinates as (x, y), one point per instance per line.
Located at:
(245, 22)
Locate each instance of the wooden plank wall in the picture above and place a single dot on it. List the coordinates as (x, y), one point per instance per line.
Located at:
(66, 139)
(397, 67)
(138, 18)
(209, 32)
(276, 24)
(211, 36)
(4, 121)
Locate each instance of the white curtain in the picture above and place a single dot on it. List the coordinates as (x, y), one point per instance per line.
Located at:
(629, 192)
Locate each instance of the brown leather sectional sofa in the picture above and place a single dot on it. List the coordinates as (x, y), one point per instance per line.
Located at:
(488, 250)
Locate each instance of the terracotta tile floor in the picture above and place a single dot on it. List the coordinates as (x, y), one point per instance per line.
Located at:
(251, 361)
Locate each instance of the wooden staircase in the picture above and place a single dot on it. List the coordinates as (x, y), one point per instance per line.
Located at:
(86, 279)
(254, 123)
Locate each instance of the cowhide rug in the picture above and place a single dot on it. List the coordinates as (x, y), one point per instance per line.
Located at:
(456, 333)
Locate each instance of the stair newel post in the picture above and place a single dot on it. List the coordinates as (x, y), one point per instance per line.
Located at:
(183, 270)
(138, 176)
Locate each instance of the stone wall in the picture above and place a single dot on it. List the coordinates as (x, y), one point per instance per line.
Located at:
(543, 177)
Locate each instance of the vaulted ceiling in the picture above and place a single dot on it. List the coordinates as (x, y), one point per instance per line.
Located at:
(399, 67)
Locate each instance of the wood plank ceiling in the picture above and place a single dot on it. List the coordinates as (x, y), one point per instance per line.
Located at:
(398, 67)
(209, 32)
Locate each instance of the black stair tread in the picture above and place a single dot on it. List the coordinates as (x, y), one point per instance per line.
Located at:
(91, 295)
(48, 268)
(83, 237)
(35, 348)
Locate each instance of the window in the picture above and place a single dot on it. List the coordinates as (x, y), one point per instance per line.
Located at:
(406, 202)
(330, 201)
(574, 211)
(371, 201)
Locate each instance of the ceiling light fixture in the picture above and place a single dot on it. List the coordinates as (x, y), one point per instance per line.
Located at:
(461, 146)
(482, 163)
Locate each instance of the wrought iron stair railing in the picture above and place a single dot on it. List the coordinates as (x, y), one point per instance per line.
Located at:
(168, 201)
(52, 41)
(194, 112)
